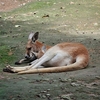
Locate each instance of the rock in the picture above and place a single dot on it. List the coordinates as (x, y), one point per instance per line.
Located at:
(66, 97)
(71, 3)
(74, 84)
(95, 24)
(17, 26)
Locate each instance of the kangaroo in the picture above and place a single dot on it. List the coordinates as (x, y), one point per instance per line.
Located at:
(62, 57)
(32, 46)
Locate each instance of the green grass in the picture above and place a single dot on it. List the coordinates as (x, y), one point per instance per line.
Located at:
(5, 57)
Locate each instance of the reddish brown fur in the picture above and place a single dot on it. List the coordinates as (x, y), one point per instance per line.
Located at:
(36, 46)
(80, 49)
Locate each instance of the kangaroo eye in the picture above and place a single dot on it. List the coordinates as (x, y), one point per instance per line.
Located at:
(28, 48)
(36, 51)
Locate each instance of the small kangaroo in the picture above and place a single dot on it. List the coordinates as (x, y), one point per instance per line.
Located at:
(62, 57)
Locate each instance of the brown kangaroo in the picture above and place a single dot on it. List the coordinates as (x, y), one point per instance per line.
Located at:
(62, 57)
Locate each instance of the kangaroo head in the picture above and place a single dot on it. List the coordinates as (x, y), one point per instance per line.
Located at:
(31, 46)
(34, 49)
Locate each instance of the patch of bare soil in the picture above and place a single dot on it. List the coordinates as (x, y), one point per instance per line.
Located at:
(6, 5)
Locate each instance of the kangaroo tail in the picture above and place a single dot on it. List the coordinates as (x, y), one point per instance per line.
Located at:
(72, 67)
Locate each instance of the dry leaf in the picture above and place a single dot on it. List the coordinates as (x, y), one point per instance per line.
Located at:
(10, 53)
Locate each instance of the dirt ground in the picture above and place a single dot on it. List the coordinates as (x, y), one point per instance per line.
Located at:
(76, 85)
(7, 5)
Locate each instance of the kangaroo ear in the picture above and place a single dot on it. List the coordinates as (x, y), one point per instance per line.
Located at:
(33, 36)
(44, 49)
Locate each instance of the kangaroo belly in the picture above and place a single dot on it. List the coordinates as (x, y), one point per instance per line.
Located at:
(59, 60)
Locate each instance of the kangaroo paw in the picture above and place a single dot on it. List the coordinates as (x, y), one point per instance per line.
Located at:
(12, 69)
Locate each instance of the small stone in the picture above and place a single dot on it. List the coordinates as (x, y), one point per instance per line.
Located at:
(17, 26)
(98, 77)
(74, 84)
(24, 4)
(66, 97)
(95, 24)
(71, 3)
(48, 95)
(3, 3)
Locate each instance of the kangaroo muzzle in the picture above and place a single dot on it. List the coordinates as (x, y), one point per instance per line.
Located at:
(27, 59)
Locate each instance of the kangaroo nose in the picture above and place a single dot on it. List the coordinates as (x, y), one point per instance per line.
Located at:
(27, 57)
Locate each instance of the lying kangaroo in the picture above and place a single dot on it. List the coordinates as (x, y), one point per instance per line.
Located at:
(59, 58)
